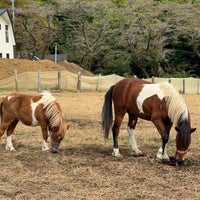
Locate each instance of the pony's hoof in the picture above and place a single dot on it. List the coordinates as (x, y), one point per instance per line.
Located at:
(45, 149)
(10, 148)
(160, 156)
(116, 153)
(54, 150)
(136, 154)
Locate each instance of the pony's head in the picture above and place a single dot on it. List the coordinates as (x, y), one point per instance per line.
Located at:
(56, 125)
(57, 135)
(183, 138)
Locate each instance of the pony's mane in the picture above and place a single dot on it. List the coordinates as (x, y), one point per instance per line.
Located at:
(47, 98)
(54, 114)
(53, 111)
(177, 109)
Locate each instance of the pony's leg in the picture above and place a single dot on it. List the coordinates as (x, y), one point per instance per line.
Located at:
(115, 130)
(164, 132)
(162, 155)
(9, 145)
(10, 130)
(130, 128)
(45, 146)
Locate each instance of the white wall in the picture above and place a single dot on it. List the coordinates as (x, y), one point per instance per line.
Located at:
(6, 48)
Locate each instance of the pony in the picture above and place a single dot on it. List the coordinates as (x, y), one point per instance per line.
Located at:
(33, 110)
(159, 103)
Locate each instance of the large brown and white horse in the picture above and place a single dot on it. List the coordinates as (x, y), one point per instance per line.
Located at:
(33, 110)
(160, 103)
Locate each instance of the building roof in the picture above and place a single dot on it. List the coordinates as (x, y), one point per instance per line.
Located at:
(2, 10)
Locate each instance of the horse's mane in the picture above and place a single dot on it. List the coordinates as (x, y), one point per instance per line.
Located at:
(177, 109)
(53, 112)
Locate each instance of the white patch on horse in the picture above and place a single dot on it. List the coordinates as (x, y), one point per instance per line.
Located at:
(9, 97)
(133, 143)
(45, 146)
(9, 145)
(45, 100)
(147, 91)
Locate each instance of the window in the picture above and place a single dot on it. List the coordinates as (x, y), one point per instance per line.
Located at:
(6, 33)
(1, 55)
(7, 55)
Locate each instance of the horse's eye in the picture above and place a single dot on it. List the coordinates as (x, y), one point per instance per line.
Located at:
(60, 137)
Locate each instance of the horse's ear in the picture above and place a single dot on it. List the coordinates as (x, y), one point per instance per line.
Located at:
(192, 130)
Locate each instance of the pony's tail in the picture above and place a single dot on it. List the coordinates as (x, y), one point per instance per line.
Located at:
(107, 115)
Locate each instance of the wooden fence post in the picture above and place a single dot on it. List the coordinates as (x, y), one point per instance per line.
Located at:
(39, 80)
(16, 80)
(198, 85)
(98, 82)
(79, 81)
(153, 79)
(59, 80)
(183, 86)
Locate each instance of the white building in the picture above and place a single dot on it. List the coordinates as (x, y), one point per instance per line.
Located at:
(7, 37)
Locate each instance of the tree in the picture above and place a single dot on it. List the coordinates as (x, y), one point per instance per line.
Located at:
(34, 30)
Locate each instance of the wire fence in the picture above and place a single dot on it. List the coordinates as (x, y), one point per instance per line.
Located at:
(64, 80)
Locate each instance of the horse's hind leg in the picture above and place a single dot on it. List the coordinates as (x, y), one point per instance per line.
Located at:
(115, 130)
(10, 130)
(130, 128)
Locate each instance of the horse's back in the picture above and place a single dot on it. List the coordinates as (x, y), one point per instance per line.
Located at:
(127, 90)
(18, 106)
(141, 98)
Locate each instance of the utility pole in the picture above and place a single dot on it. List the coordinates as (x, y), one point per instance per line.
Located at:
(13, 13)
(56, 53)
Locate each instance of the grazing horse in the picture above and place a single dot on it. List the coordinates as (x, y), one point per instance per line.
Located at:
(31, 110)
(160, 103)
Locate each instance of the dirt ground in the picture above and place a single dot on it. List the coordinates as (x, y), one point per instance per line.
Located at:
(7, 67)
(84, 167)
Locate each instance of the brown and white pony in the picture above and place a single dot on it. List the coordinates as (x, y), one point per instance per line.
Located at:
(160, 103)
(33, 110)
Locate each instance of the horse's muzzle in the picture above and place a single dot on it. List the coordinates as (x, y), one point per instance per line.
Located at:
(54, 147)
(179, 155)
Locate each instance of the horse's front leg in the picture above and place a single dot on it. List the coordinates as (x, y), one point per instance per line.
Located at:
(45, 146)
(162, 152)
(10, 130)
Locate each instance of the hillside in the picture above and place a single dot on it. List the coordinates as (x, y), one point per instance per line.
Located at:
(7, 67)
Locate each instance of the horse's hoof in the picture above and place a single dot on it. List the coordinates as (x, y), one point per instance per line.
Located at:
(136, 154)
(10, 149)
(116, 153)
(54, 150)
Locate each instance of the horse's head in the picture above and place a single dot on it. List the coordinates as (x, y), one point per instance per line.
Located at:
(183, 140)
(57, 135)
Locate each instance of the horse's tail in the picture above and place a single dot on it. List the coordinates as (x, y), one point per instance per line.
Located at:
(107, 115)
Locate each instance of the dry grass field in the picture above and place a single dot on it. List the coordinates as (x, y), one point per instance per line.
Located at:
(84, 167)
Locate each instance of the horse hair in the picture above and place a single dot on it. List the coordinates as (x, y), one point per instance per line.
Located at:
(175, 104)
(107, 115)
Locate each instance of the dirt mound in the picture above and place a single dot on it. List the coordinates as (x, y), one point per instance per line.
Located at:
(7, 67)
(75, 68)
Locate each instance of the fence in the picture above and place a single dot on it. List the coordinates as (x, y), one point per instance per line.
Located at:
(64, 80)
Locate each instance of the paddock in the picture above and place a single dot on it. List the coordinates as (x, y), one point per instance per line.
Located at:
(84, 167)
